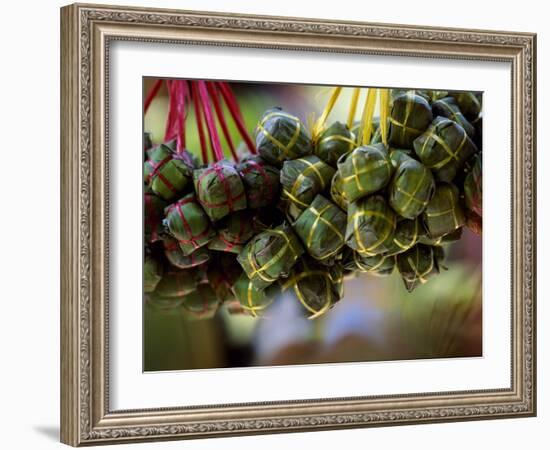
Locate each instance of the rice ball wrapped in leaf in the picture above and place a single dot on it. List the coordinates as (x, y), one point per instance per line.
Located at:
(176, 258)
(447, 107)
(419, 264)
(371, 225)
(177, 283)
(444, 148)
(302, 179)
(154, 213)
(270, 255)
(468, 102)
(410, 115)
(407, 233)
(152, 274)
(380, 265)
(411, 188)
(233, 232)
(219, 189)
(321, 228)
(202, 303)
(364, 171)
(337, 193)
(473, 187)
(399, 155)
(333, 142)
(318, 288)
(252, 300)
(453, 236)
(281, 136)
(188, 223)
(260, 180)
(166, 172)
(399, 92)
(443, 213)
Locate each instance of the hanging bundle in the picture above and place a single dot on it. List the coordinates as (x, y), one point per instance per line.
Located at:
(447, 107)
(219, 189)
(365, 170)
(444, 148)
(316, 287)
(443, 213)
(380, 265)
(371, 225)
(419, 264)
(302, 179)
(321, 228)
(410, 115)
(270, 255)
(188, 224)
(260, 180)
(176, 257)
(334, 141)
(166, 173)
(468, 102)
(281, 136)
(233, 232)
(252, 300)
(411, 188)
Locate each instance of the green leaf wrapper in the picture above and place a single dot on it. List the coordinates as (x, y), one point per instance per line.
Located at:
(219, 189)
(154, 213)
(419, 264)
(411, 188)
(233, 232)
(453, 236)
(188, 223)
(152, 274)
(281, 136)
(468, 102)
(399, 155)
(176, 258)
(335, 141)
(270, 255)
(201, 303)
(260, 180)
(443, 214)
(407, 233)
(448, 108)
(252, 300)
(364, 171)
(473, 187)
(337, 193)
(302, 179)
(321, 228)
(166, 172)
(410, 115)
(444, 148)
(316, 287)
(380, 265)
(371, 225)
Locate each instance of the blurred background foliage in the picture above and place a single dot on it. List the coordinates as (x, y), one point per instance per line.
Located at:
(376, 320)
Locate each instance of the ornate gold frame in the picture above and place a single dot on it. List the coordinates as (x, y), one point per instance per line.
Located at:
(86, 31)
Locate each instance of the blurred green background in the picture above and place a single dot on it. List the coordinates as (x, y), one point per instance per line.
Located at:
(376, 320)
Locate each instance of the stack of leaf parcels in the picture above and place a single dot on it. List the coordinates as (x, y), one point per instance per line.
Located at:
(303, 213)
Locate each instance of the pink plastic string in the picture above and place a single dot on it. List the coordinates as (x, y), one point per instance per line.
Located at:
(215, 97)
(198, 117)
(210, 122)
(151, 95)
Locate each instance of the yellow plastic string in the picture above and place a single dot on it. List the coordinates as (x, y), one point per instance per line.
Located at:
(363, 137)
(320, 123)
(384, 114)
(353, 106)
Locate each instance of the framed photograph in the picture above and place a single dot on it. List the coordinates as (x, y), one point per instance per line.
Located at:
(276, 224)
